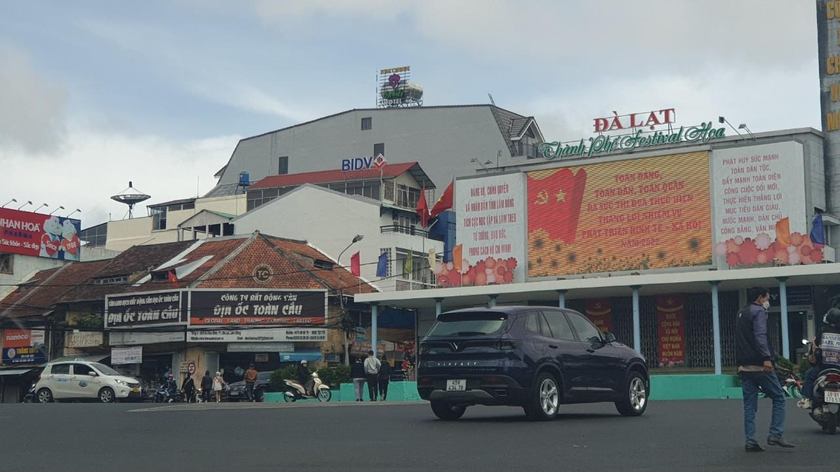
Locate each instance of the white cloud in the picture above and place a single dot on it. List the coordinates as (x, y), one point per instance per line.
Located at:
(31, 108)
(96, 165)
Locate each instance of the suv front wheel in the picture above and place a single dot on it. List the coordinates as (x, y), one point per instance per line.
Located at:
(447, 412)
(106, 395)
(634, 402)
(545, 399)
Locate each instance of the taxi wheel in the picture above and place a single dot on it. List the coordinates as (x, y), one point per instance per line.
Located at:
(45, 396)
(107, 395)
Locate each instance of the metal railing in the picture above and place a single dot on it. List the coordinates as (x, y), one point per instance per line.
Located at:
(409, 230)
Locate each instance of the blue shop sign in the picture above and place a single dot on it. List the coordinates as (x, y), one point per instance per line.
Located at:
(23, 355)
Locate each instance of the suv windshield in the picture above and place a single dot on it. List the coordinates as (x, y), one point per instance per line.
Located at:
(105, 370)
(468, 324)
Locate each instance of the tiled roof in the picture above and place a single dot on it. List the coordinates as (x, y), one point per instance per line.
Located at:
(390, 170)
(47, 287)
(135, 262)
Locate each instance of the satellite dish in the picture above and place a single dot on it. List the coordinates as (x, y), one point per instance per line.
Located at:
(130, 196)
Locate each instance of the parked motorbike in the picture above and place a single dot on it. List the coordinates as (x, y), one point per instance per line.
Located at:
(294, 391)
(825, 403)
(791, 383)
(30, 395)
(169, 393)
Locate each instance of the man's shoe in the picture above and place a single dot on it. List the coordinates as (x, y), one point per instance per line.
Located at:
(778, 441)
(753, 448)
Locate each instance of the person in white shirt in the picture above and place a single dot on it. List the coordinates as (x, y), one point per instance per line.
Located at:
(372, 366)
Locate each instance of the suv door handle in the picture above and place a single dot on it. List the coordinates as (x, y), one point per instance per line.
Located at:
(553, 346)
(590, 350)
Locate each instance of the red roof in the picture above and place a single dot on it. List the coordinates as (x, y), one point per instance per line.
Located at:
(324, 176)
(37, 295)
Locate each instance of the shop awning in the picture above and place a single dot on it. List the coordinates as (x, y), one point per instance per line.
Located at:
(15, 372)
(303, 354)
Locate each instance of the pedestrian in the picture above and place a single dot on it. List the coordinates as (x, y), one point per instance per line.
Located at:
(188, 387)
(357, 373)
(384, 377)
(206, 386)
(372, 366)
(755, 368)
(250, 378)
(218, 385)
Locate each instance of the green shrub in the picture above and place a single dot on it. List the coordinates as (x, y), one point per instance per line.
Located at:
(334, 376)
(279, 375)
(785, 364)
(804, 365)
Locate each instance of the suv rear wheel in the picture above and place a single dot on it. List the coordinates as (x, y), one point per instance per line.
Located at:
(545, 399)
(447, 412)
(634, 402)
(45, 396)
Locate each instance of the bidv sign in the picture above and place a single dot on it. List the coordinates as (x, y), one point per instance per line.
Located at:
(363, 163)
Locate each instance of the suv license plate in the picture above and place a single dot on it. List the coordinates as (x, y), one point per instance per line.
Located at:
(830, 397)
(459, 385)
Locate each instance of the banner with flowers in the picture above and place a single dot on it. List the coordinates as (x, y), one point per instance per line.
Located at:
(759, 207)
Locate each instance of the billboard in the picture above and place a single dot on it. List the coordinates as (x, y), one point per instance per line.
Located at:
(627, 215)
(23, 346)
(490, 229)
(36, 234)
(146, 309)
(754, 188)
(258, 307)
(262, 335)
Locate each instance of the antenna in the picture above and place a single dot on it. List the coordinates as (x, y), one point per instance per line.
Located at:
(130, 196)
(492, 102)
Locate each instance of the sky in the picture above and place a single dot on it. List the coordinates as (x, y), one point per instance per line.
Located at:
(94, 94)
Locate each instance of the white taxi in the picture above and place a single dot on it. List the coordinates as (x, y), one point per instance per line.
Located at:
(84, 380)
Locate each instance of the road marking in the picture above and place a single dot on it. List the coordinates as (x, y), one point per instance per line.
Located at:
(265, 406)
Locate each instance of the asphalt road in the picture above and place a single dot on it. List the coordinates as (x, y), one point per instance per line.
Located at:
(674, 435)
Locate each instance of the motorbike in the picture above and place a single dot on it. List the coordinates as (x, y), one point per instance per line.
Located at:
(169, 393)
(825, 400)
(294, 391)
(30, 395)
(790, 382)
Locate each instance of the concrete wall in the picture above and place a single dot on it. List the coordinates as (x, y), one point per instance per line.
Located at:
(442, 140)
(123, 234)
(233, 205)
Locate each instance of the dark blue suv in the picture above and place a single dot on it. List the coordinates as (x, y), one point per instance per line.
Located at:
(528, 356)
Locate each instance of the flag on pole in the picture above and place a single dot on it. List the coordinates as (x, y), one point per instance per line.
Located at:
(783, 232)
(382, 265)
(423, 208)
(445, 201)
(818, 230)
(407, 266)
(173, 279)
(432, 259)
(457, 256)
(355, 264)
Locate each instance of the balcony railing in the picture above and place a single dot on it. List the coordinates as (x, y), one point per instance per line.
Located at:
(409, 230)
(404, 284)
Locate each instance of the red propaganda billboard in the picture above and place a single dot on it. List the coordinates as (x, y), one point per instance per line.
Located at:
(36, 234)
(599, 312)
(670, 314)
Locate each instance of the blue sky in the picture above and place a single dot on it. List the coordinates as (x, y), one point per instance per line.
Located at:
(96, 93)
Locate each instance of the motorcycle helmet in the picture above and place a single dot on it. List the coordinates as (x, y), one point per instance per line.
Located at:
(832, 317)
(304, 362)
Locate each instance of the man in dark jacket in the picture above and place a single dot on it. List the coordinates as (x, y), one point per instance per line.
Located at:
(755, 367)
(206, 386)
(384, 377)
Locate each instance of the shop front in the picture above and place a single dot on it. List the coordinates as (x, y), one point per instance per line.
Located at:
(23, 352)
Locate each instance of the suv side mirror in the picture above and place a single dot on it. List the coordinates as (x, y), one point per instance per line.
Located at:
(92, 374)
(609, 338)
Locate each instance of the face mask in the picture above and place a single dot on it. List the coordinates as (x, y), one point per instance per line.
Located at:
(766, 305)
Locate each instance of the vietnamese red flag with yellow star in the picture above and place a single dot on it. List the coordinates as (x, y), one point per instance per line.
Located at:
(670, 315)
(445, 201)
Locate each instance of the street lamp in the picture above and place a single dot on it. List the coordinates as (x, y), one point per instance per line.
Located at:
(356, 239)
(59, 208)
(74, 211)
(42, 206)
(10, 201)
(27, 203)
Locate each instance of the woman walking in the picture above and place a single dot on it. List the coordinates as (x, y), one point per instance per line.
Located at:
(218, 385)
(189, 388)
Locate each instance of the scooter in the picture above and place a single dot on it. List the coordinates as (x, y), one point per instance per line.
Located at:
(294, 391)
(825, 404)
(791, 383)
(169, 393)
(30, 395)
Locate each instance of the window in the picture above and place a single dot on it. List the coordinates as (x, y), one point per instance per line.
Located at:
(95, 236)
(158, 218)
(283, 165)
(532, 324)
(367, 124)
(6, 266)
(559, 326)
(586, 331)
(81, 369)
(322, 264)
(60, 369)
(120, 279)
(468, 324)
(378, 148)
